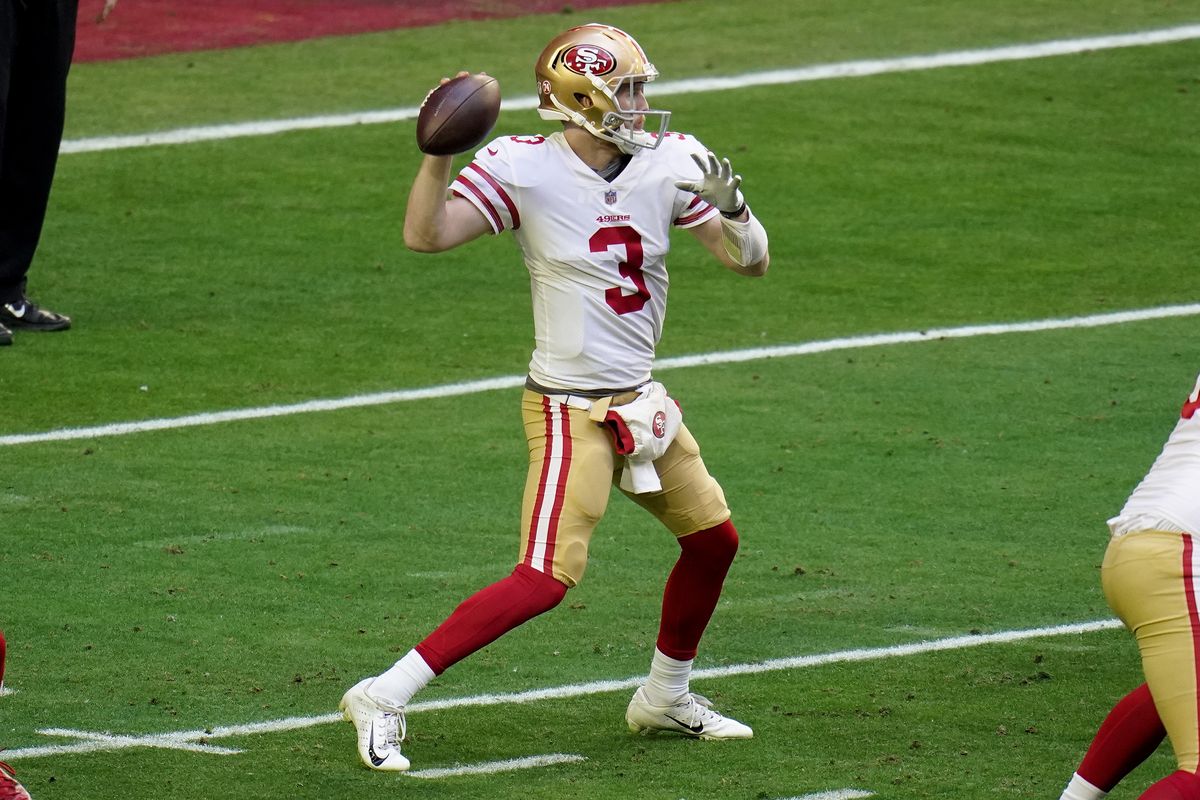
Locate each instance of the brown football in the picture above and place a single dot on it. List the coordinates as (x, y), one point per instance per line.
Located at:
(458, 115)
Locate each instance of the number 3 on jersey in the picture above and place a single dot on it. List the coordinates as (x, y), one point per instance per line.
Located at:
(630, 268)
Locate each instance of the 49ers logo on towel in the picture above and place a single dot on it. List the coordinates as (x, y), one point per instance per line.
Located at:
(659, 426)
(588, 59)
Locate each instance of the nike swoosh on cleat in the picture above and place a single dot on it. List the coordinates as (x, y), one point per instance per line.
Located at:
(19, 313)
(376, 760)
(693, 728)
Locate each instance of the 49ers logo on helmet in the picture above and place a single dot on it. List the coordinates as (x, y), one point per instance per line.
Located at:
(588, 59)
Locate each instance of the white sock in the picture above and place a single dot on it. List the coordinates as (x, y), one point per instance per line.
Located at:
(668, 681)
(1079, 789)
(406, 677)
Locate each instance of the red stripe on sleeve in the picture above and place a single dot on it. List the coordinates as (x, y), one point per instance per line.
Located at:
(512, 207)
(690, 218)
(497, 223)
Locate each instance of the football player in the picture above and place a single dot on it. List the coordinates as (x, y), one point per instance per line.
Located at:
(591, 207)
(1150, 577)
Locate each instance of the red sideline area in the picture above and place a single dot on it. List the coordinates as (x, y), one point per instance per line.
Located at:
(149, 27)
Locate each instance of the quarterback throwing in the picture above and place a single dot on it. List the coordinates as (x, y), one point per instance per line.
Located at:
(591, 207)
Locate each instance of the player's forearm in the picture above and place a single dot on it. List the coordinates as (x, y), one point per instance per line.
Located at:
(424, 219)
(745, 242)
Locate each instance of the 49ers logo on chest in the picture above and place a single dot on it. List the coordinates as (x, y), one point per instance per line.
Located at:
(588, 59)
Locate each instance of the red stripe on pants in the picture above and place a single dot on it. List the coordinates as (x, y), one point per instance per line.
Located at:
(552, 488)
(1189, 589)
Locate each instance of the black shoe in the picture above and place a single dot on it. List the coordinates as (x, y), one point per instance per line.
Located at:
(24, 314)
(5, 335)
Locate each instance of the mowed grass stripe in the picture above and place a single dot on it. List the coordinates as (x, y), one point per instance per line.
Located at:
(198, 740)
(846, 69)
(513, 381)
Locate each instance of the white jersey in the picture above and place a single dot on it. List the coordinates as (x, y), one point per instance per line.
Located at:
(1168, 498)
(596, 251)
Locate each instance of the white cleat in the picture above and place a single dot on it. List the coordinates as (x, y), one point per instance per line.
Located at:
(381, 728)
(693, 717)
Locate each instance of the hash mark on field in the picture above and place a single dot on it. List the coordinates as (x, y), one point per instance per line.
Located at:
(197, 740)
(839, 794)
(514, 381)
(108, 741)
(846, 69)
(490, 767)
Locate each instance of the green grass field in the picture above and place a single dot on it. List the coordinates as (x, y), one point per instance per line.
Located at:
(243, 573)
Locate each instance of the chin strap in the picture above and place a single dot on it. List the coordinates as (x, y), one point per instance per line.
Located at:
(745, 242)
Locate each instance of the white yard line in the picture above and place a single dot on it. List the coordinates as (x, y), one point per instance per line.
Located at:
(513, 381)
(491, 767)
(198, 740)
(837, 794)
(846, 69)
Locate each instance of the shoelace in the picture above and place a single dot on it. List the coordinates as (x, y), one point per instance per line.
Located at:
(689, 712)
(698, 710)
(394, 727)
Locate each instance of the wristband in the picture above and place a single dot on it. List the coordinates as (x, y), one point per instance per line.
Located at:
(737, 212)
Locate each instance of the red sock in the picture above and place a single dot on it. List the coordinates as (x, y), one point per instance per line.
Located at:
(1178, 785)
(694, 588)
(1127, 737)
(489, 614)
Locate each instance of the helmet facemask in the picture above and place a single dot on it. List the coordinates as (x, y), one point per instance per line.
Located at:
(622, 123)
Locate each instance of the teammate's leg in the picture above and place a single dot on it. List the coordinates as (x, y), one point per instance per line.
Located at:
(1180, 785)
(1149, 580)
(1128, 735)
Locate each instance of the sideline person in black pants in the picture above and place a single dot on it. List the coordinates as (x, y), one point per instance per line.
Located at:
(37, 39)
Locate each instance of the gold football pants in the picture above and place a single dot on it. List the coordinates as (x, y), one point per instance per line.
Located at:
(572, 465)
(1149, 578)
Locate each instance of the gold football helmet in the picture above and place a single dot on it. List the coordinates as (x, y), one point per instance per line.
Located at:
(608, 67)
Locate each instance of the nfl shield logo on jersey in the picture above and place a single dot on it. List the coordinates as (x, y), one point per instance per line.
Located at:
(610, 197)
